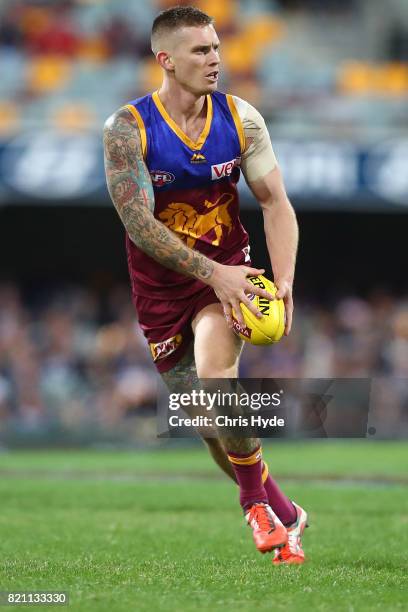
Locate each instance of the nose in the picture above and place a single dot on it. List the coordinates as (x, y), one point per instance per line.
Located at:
(214, 57)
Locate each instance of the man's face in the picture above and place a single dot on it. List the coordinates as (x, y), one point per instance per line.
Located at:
(196, 59)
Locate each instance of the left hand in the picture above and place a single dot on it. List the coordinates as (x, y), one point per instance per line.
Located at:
(285, 293)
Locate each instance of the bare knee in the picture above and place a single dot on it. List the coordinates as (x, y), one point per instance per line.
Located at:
(209, 370)
(225, 364)
(216, 348)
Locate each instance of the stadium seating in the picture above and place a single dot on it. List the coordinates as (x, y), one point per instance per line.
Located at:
(64, 358)
(282, 55)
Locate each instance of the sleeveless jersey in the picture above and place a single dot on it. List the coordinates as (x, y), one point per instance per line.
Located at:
(195, 191)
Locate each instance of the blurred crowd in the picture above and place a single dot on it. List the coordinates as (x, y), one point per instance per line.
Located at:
(320, 68)
(41, 27)
(73, 359)
(69, 64)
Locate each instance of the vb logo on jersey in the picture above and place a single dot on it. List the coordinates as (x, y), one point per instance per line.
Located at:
(161, 177)
(220, 170)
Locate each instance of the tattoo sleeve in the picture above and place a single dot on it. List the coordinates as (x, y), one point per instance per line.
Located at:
(131, 191)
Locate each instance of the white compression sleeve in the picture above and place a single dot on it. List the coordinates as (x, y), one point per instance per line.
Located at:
(258, 158)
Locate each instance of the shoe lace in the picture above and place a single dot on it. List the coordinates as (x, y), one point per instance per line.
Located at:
(260, 513)
(293, 541)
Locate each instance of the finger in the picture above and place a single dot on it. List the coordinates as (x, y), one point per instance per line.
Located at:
(238, 313)
(254, 271)
(228, 315)
(258, 291)
(281, 292)
(251, 306)
(288, 317)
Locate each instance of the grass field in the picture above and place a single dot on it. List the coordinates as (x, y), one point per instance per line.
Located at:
(162, 530)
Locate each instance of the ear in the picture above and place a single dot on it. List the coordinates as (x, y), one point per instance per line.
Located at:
(165, 60)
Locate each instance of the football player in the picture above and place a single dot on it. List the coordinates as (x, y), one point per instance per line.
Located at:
(173, 159)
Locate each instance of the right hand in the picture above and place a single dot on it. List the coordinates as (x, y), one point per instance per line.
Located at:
(231, 286)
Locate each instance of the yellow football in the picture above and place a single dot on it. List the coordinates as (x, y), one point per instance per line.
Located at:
(268, 329)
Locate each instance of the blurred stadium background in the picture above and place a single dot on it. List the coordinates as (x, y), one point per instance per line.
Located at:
(330, 77)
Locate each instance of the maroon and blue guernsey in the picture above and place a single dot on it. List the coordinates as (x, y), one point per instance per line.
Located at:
(195, 190)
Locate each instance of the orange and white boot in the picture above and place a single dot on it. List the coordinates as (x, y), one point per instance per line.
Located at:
(268, 531)
(292, 552)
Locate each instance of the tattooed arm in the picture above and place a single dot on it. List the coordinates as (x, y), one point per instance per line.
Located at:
(131, 191)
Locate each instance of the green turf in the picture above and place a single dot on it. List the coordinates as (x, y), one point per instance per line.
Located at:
(323, 457)
(80, 522)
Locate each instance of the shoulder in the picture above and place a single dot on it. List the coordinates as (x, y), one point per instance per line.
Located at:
(258, 157)
(121, 121)
(121, 135)
(129, 113)
(249, 115)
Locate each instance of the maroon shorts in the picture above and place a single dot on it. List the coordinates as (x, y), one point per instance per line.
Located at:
(166, 324)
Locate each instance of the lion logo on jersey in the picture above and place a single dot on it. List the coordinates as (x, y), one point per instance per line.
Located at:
(184, 219)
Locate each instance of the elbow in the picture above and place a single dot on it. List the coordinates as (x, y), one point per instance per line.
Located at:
(278, 207)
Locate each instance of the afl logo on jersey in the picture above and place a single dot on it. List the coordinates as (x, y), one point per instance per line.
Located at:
(161, 177)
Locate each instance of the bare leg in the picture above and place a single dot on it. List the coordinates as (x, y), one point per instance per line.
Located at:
(217, 451)
(216, 360)
(184, 376)
(217, 351)
(219, 359)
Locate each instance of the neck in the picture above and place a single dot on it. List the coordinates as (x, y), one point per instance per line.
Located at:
(181, 105)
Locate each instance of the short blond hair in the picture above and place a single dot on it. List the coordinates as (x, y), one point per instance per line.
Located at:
(174, 18)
